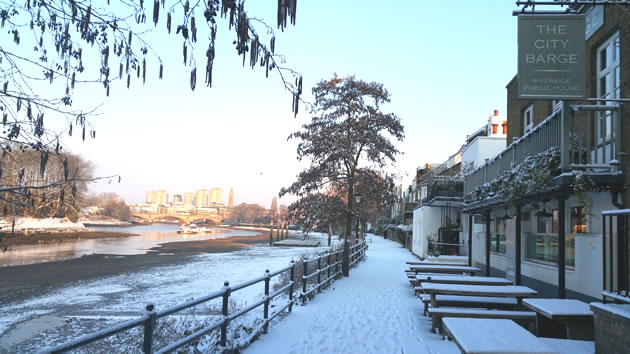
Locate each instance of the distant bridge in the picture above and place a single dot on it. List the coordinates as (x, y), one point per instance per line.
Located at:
(181, 219)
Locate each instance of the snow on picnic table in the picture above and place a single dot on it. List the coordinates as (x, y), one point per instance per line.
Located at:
(372, 311)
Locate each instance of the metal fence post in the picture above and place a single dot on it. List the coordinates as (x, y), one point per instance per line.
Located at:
(305, 265)
(266, 310)
(291, 281)
(149, 324)
(319, 274)
(224, 312)
(328, 269)
(278, 232)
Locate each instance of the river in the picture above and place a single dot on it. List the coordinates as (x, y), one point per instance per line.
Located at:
(148, 236)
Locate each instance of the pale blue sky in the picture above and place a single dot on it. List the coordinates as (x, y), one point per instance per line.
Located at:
(445, 63)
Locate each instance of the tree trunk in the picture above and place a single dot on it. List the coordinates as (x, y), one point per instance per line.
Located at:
(345, 265)
(329, 235)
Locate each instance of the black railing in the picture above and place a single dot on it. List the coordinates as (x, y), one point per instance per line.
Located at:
(447, 249)
(149, 319)
(616, 255)
(587, 137)
(445, 188)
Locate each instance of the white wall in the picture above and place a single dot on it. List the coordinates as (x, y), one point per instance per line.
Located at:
(482, 148)
(418, 244)
(586, 276)
(426, 222)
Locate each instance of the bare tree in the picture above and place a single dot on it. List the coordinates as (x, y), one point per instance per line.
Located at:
(249, 213)
(29, 190)
(48, 49)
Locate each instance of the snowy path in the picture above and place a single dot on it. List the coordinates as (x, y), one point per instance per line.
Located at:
(372, 311)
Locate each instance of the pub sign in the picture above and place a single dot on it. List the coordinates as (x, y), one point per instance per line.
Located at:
(551, 57)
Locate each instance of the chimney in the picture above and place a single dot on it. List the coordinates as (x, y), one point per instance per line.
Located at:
(496, 112)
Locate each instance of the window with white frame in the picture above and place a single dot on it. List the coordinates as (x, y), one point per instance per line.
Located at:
(608, 83)
(528, 119)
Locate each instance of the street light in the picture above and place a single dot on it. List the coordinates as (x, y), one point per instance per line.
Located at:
(357, 198)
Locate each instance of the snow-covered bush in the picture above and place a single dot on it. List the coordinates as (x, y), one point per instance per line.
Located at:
(534, 173)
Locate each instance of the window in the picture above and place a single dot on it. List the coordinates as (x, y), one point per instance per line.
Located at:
(608, 83)
(578, 220)
(528, 119)
(497, 238)
(542, 246)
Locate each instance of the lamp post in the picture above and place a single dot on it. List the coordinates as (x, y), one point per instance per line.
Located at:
(357, 198)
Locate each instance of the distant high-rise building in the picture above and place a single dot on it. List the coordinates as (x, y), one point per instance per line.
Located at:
(274, 206)
(177, 198)
(201, 198)
(161, 197)
(188, 198)
(231, 198)
(151, 197)
(157, 197)
(216, 195)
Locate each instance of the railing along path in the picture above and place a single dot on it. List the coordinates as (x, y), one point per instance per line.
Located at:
(149, 319)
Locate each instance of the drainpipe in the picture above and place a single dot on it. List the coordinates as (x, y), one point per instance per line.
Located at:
(488, 243)
(615, 199)
(561, 248)
(470, 225)
(517, 256)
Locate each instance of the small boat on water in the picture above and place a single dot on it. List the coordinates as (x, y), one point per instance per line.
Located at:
(192, 229)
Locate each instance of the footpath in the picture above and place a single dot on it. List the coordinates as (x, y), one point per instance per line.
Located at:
(372, 311)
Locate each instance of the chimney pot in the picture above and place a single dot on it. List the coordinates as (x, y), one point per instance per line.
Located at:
(496, 112)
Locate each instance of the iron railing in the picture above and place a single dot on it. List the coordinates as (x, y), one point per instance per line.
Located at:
(445, 188)
(587, 136)
(616, 255)
(149, 319)
(448, 249)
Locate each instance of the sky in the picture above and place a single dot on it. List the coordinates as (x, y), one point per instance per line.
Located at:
(445, 64)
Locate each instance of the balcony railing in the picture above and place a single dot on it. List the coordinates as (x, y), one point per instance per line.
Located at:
(451, 187)
(587, 136)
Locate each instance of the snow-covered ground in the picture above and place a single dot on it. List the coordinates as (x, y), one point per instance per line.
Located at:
(40, 224)
(87, 306)
(372, 311)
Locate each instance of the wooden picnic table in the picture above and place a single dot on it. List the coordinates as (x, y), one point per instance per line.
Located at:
(515, 291)
(434, 268)
(566, 318)
(436, 263)
(480, 335)
(462, 279)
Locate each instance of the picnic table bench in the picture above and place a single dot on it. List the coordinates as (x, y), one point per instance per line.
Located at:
(525, 318)
(458, 279)
(436, 263)
(469, 301)
(480, 335)
(415, 278)
(452, 269)
(569, 346)
(564, 318)
(511, 291)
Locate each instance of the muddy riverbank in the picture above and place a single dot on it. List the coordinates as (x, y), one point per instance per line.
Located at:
(18, 282)
(33, 238)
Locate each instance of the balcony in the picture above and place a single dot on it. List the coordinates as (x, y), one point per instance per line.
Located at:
(587, 138)
(445, 187)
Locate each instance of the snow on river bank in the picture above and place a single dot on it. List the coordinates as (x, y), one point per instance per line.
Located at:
(72, 310)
